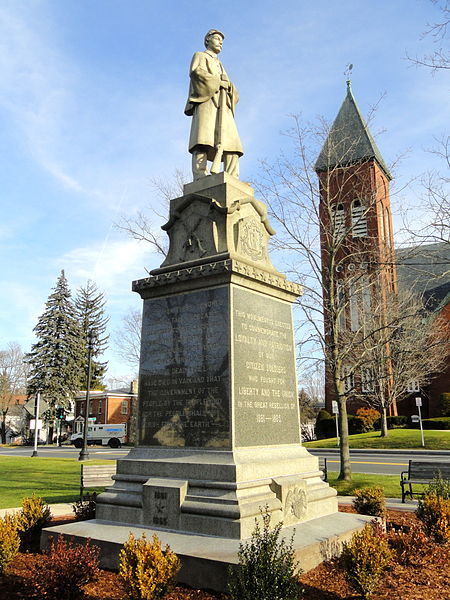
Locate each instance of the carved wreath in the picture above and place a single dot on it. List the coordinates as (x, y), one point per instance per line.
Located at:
(296, 503)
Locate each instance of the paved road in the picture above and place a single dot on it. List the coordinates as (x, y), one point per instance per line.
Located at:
(380, 462)
(66, 452)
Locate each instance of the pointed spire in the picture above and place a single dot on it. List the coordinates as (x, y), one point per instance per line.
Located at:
(349, 140)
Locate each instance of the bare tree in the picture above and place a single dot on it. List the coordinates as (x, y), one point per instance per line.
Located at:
(436, 194)
(143, 226)
(440, 57)
(127, 339)
(404, 344)
(12, 381)
(331, 250)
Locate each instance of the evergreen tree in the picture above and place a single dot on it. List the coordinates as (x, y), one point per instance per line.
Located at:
(90, 313)
(55, 359)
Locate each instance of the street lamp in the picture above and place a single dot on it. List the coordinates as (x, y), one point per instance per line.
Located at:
(84, 454)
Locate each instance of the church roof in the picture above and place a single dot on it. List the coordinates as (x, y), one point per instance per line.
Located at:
(349, 140)
(425, 269)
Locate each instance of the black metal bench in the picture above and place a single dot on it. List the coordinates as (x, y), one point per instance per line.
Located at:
(421, 472)
(92, 476)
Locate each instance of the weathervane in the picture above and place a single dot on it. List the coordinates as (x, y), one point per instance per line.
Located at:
(348, 72)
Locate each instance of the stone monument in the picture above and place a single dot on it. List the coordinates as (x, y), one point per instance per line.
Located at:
(218, 420)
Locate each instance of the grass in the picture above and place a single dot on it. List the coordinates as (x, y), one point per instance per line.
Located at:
(398, 439)
(53, 479)
(389, 483)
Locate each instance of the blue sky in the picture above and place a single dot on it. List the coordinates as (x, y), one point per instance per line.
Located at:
(91, 110)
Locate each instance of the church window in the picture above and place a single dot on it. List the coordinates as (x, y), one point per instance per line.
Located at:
(359, 219)
(338, 217)
(349, 379)
(413, 386)
(367, 381)
(354, 308)
(341, 304)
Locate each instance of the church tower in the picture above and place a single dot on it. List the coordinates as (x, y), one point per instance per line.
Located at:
(357, 248)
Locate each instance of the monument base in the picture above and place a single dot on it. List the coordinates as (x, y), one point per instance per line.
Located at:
(216, 492)
(206, 559)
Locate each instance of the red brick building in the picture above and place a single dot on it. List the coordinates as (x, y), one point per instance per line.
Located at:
(358, 254)
(114, 406)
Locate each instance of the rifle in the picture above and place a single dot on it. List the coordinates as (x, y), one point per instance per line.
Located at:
(215, 167)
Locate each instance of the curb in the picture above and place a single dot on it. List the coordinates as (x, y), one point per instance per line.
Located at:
(381, 451)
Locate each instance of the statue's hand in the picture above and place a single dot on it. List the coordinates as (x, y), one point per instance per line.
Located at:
(225, 84)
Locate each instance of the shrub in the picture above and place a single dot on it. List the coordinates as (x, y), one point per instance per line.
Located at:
(436, 423)
(434, 512)
(325, 425)
(368, 416)
(9, 541)
(370, 501)
(355, 425)
(397, 422)
(444, 404)
(440, 486)
(365, 558)
(267, 567)
(84, 508)
(409, 543)
(146, 571)
(33, 516)
(64, 569)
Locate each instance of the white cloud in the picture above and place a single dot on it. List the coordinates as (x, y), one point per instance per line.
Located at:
(106, 263)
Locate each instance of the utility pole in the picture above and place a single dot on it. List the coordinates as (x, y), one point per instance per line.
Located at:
(84, 453)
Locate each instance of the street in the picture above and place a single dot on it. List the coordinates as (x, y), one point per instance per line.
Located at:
(66, 452)
(377, 462)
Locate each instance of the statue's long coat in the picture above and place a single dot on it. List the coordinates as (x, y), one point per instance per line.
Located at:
(203, 103)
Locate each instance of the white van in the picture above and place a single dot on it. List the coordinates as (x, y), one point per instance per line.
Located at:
(106, 435)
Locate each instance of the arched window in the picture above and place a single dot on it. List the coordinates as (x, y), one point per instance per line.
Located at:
(359, 219)
(338, 217)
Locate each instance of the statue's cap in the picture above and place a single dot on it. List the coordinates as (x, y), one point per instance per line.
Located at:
(212, 32)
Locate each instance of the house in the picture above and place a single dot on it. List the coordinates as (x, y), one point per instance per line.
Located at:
(17, 418)
(110, 406)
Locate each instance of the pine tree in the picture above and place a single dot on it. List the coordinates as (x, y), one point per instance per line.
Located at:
(90, 313)
(56, 358)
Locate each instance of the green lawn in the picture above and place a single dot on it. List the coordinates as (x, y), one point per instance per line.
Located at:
(389, 483)
(53, 479)
(398, 439)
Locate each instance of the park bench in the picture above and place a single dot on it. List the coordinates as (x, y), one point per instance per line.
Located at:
(93, 476)
(422, 472)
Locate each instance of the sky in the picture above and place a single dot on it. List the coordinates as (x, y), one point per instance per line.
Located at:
(92, 94)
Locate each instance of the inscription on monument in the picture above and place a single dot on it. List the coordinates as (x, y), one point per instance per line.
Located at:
(265, 389)
(184, 388)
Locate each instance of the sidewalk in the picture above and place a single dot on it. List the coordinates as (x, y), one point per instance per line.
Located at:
(58, 510)
(391, 503)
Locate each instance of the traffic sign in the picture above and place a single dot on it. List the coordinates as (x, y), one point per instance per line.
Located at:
(33, 421)
(30, 407)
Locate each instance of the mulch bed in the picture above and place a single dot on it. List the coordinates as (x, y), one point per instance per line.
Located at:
(428, 578)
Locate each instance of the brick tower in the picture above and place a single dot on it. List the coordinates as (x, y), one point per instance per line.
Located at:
(357, 245)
